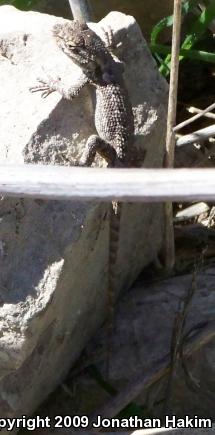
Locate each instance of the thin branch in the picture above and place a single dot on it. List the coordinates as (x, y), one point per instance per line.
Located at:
(191, 212)
(81, 10)
(170, 138)
(194, 118)
(177, 343)
(107, 184)
(197, 136)
(193, 109)
(173, 87)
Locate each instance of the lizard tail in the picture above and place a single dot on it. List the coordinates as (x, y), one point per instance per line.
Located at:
(115, 215)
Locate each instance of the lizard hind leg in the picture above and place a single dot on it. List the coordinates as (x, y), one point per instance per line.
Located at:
(97, 145)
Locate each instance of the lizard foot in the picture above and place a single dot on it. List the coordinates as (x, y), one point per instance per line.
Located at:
(46, 87)
(42, 87)
(108, 37)
(97, 145)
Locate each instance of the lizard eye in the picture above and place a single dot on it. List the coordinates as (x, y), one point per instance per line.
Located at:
(74, 49)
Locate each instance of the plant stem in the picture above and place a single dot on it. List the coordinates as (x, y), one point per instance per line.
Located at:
(81, 10)
(170, 136)
(194, 118)
(186, 53)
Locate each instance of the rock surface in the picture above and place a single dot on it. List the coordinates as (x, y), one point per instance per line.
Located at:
(54, 254)
(150, 310)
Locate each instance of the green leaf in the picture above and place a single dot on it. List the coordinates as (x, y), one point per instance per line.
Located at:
(20, 4)
(197, 29)
(165, 22)
(200, 26)
(187, 6)
(5, 3)
(186, 53)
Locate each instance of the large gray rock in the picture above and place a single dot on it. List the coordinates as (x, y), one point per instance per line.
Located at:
(140, 354)
(54, 254)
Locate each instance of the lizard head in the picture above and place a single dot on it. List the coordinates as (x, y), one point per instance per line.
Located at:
(80, 43)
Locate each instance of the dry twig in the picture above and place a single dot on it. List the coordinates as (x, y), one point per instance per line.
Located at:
(197, 136)
(193, 109)
(177, 343)
(170, 138)
(107, 184)
(81, 9)
(191, 212)
(194, 118)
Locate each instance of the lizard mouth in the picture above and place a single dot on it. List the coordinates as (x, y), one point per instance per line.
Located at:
(79, 55)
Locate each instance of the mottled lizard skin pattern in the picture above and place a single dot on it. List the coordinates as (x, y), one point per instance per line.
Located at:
(113, 113)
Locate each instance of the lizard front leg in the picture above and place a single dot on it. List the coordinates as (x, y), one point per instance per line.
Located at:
(112, 46)
(49, 85)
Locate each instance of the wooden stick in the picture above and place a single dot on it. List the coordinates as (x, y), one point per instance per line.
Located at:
(81, 10)
(191, 212)
(193, 109)
(194, 118)
(197, 136)
(170, 137)
(72, 183)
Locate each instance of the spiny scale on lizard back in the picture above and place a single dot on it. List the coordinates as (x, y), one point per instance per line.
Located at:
(80, 43)
(113, 111)
(114, 117)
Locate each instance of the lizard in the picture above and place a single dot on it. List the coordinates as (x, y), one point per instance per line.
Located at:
(114, 119)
